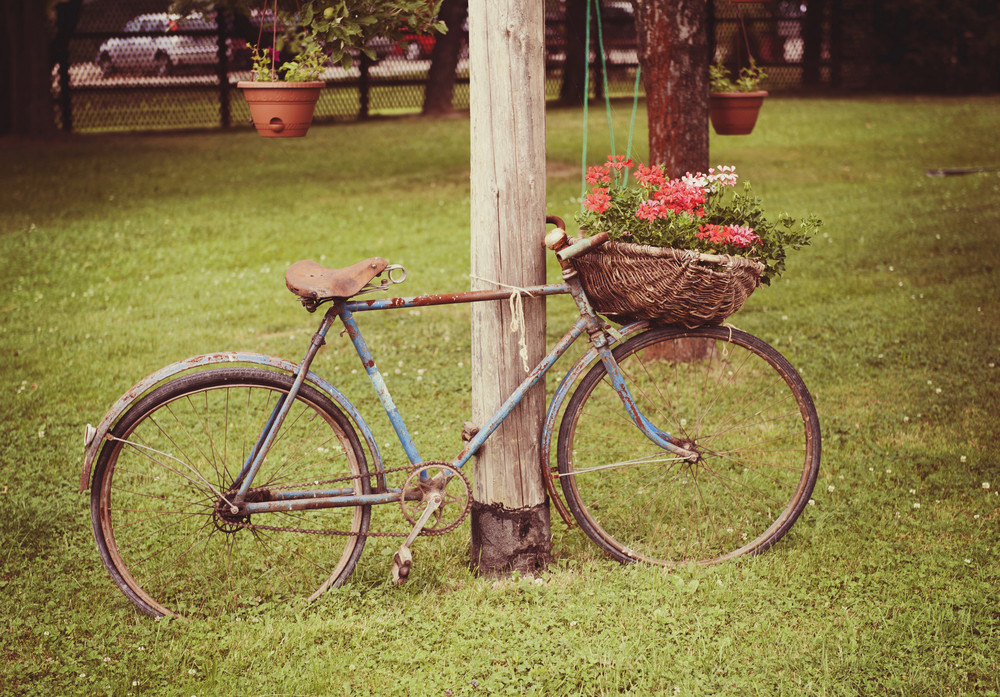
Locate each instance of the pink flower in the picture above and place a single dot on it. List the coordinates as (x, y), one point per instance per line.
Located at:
(598, 174)
(742, 236)
(736, 235)
(598, 200)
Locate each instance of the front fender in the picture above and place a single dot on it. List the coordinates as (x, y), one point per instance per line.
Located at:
(555, 405)
(95, 436)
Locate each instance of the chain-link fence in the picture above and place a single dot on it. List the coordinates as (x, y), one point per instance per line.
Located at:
(131, 65)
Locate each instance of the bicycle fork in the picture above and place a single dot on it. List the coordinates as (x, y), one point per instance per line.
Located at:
(599, 340)
(620, 386)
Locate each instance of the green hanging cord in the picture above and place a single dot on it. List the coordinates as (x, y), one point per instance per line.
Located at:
(586, 101)
(631, 124)
(604, 72)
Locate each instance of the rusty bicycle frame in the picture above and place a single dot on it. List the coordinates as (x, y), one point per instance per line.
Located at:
(601, 337)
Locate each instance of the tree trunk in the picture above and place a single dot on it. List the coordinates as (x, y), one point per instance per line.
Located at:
(510, 516)
(674, 58)
(673, 53)
(444, 59)
(576, 62)
(26, 106)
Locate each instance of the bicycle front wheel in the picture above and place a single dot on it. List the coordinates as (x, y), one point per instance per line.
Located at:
(720, 392)
(159, 497)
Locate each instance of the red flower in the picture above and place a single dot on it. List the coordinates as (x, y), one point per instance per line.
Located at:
(619, 162)
(650, 210)
(598, 200)
(650, 176)
(597, 174)
(681, 197)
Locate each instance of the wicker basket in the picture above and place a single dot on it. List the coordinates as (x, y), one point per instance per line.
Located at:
(630, 282)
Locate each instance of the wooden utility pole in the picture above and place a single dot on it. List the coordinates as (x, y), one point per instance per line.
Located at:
(510, 515)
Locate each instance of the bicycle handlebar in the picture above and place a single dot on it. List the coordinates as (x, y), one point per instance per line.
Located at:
(559, 243)
(582, 246)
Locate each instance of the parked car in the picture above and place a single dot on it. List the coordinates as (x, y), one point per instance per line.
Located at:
(163, 43)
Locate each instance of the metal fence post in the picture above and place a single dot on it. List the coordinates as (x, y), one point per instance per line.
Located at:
(364, 87)
(222, 71)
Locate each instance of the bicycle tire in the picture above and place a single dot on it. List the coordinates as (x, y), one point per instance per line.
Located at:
(736, 401)
(155, 498)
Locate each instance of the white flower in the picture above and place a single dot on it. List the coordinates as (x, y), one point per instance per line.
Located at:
(831, 488)
(968, 561)
(916, 505)
(812, 502)
(962, 459)
(986, 485)
(913, 491)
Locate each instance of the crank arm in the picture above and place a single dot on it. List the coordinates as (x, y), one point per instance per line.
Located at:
(403, 559)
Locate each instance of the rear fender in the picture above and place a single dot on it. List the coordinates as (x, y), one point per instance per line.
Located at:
(95, 436)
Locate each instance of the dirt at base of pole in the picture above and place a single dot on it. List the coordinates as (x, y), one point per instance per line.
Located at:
(504, 540)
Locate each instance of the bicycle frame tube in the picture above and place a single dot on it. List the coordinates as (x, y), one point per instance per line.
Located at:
(515, 398)
(587, 323)
(256, 459)
(382, 390)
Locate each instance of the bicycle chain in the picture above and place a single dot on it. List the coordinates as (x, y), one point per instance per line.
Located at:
(347, 533)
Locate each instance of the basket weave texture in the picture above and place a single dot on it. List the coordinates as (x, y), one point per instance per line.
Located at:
(630, 282)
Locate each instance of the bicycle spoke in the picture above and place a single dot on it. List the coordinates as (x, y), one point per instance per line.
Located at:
(732, 407)
(172, 539)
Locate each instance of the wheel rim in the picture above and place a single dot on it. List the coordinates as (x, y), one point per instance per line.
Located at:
(740, 406)
(161, 515)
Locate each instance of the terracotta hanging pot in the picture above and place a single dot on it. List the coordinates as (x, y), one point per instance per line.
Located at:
(734, 113)
(281, 109)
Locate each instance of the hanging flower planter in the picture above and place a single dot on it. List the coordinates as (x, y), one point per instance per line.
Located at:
(681, 251)
(735, 113)
(281, 109)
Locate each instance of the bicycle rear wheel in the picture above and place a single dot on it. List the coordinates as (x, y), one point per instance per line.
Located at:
(157, 499)
(718, 391)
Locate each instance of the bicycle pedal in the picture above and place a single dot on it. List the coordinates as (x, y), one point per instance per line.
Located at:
(402, 563)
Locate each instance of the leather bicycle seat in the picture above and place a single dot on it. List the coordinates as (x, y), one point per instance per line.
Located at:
(310, 281)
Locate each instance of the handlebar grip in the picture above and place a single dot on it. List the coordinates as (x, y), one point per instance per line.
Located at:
(583, 246)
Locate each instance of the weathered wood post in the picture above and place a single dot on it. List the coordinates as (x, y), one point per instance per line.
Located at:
(510, 516)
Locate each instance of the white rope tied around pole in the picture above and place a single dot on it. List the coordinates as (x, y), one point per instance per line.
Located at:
(517, 325)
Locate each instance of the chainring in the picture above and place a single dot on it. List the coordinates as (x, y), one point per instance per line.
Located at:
(440, 476)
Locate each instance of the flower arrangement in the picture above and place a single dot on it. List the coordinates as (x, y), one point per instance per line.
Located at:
(702, 212)
(321, 32)
(749, 79)
(306, 66)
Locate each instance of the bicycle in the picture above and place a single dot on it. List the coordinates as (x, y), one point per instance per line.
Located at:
(227, 479)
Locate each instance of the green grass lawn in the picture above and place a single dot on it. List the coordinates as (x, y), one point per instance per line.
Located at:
(120, 254)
